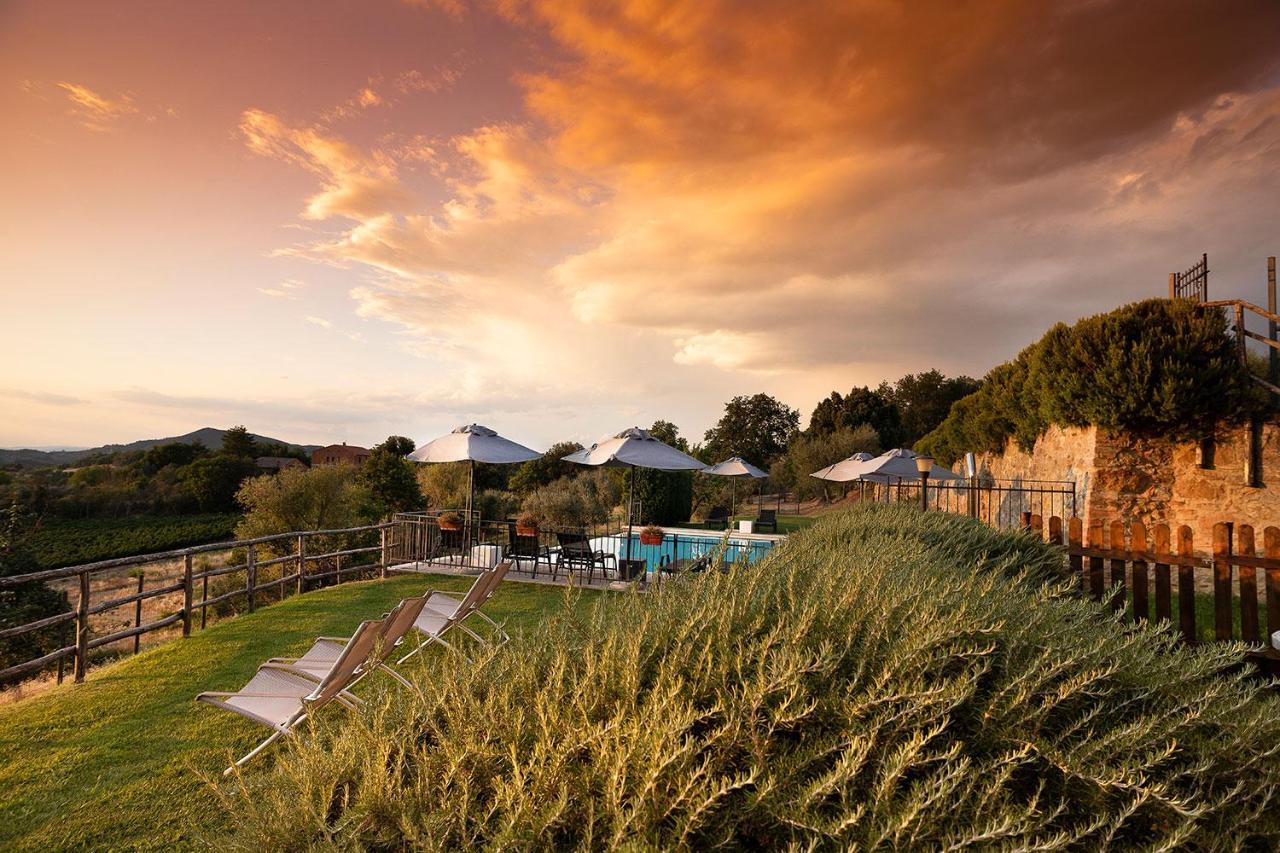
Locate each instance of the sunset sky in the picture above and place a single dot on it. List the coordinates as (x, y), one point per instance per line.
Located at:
(338, 220)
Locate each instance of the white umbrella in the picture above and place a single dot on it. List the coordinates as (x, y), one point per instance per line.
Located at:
(473, 443)
(634, 448)
(844, 470)
(899, 465)
(737, 468)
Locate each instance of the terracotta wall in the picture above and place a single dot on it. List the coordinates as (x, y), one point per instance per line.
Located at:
(1121, 477)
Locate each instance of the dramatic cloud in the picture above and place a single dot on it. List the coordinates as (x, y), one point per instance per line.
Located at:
(355, 185)
(860, 189)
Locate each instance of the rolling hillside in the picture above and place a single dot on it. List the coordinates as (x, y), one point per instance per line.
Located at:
(210, 437)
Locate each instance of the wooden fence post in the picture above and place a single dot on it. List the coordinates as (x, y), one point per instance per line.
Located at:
(137, 614)
(1096, 579)
(1271, 545)
(186, 595)
(62, 642)
(1248, 587)
(1138, 545)
(1117, 567)
(1055, 530)
(251, 569)
(1186, 584)
(82, 628)
(1241, 350)
(1075, 539)
(1037, 526)
(1222, 580)
(1024, 521)
(302, 563)
(1164, 591)
(1173, 285)
(382, 572)
(1273, 357)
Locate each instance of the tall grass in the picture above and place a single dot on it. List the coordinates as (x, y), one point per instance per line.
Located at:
(884, 679)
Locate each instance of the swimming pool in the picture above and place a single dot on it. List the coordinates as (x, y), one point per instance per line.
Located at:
(680, 544)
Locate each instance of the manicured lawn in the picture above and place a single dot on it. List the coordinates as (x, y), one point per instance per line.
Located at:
(786, 523)
(117, 762)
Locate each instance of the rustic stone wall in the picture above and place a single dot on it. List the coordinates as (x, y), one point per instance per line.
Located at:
(1121, 477)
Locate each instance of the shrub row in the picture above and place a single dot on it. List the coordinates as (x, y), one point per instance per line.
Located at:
(69, 543)
(886, 678)
(1155, 368)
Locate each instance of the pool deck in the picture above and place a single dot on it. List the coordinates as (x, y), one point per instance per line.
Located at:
(517, 575)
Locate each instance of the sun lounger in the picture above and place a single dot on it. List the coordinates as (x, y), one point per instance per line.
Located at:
(282, 695)
(318, 659)
(444, 612)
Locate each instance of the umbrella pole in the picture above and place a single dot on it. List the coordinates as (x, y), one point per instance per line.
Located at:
(733, 498)
(631, 500)
(471, 497)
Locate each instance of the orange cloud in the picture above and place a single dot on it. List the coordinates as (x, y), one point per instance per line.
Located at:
(96, 111)
(855, 190)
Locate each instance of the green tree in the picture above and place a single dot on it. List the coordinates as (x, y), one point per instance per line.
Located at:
(399, 445)
(214, 480)
(444, 485)
(546, 469)
(1159, 368)
(859, 406)
(27, 602)
(391, 480)
(664, 497)
(814, 450)
(238, 443)
(175, 453)
(924, 399)
(324, 497)
(757, 428)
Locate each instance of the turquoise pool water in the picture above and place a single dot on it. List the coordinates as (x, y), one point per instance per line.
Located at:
(684, 546)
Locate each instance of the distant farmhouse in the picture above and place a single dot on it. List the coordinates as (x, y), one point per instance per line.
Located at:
(277, 463)
(338, 453)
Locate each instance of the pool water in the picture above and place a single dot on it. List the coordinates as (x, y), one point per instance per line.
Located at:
(684, 546)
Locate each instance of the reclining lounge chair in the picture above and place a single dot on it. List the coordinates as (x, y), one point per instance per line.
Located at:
(282, 695)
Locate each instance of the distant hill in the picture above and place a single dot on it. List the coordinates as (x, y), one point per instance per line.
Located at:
(210, 437)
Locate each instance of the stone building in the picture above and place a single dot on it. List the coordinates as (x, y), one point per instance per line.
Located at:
(338, 453)
(1122, 477)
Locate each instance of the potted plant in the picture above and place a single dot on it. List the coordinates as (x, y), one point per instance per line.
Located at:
(450, 520)
(651, 534)
(526, 524)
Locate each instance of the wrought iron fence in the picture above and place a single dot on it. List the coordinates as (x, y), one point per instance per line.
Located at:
(999, 503)
(1191, 283)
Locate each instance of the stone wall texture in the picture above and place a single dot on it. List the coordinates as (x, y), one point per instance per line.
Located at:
(1125, 478)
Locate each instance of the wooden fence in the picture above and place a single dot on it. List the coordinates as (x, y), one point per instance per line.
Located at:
(300, 563)
(1135, 568)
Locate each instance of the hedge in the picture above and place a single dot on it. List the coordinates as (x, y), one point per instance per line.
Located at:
(1165, 368)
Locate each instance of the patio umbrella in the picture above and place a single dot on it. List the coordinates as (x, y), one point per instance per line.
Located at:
(473, 443)
(736, 468)
(896, 466)
(844, 470)
(634, 448)
(900, 465)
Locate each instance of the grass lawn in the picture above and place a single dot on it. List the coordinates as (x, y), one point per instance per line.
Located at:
(786, 523)
(117, 762)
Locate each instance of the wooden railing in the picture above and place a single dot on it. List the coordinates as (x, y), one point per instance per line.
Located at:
(1134, 567)
(1243, 334)
(191, 583)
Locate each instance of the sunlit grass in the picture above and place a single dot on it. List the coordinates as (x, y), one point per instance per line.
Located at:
(117, 761)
